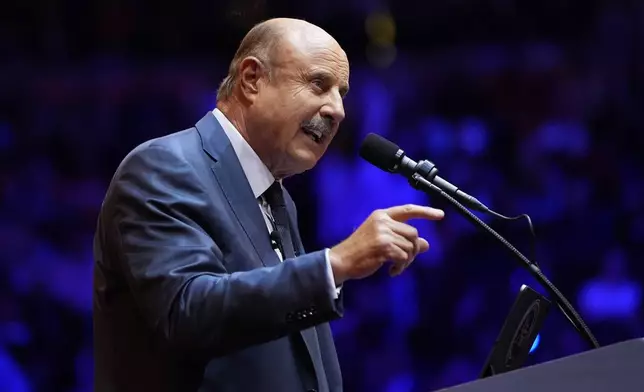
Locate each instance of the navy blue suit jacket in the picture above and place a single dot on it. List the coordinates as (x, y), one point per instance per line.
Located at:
(189, 295)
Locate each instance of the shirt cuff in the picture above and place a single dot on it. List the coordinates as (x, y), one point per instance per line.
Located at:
(329, 275)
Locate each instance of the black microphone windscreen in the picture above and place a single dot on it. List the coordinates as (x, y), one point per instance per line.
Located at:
(379, 151)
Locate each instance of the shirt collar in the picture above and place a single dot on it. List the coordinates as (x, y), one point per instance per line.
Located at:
(257, 174)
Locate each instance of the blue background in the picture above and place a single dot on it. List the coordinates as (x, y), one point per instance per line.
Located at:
(532, 106)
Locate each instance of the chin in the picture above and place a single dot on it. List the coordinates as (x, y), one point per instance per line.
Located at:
(308, 164)
(303, 161)
(303, 156)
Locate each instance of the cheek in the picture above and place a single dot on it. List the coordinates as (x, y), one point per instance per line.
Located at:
(275, 102)
(284, 108)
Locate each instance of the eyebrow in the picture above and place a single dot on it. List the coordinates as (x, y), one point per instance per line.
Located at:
(329, 77)
(344, 90)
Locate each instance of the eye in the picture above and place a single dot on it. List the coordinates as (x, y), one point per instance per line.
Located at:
(319, 83)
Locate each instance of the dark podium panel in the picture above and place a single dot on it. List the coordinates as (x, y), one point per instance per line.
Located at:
(615, 368)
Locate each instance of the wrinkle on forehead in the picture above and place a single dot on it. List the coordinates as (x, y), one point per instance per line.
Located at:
(333, 62)
(313, 49)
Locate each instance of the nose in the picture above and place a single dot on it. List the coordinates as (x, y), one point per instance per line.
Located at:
(334, 108)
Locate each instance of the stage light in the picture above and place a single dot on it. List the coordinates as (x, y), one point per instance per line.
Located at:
(381, 28)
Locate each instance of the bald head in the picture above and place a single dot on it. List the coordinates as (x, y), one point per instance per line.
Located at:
(284, 93)
(267, 40)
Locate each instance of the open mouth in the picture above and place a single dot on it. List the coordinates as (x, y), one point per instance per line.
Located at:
(315, 135)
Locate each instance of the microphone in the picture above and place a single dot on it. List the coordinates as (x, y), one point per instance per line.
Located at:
(387, 156)
(422, 175)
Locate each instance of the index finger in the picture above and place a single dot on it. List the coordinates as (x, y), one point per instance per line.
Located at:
(413, 211)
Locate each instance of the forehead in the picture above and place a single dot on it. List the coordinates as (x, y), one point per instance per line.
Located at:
(308, 54)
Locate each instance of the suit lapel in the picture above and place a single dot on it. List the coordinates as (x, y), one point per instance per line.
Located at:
(295, 232)
(309, 335)
(230, 177)
(235, 186)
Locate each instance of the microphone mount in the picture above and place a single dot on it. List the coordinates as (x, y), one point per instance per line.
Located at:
(427, 170)
(420, 182)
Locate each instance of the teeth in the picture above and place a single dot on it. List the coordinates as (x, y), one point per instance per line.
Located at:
(315, 134)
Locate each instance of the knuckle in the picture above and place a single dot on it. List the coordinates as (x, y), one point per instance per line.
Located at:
(389, 252)
(411, 245)
(382, 217)
(400, 255)
(410, 253)
(383, 239)
(382, 230)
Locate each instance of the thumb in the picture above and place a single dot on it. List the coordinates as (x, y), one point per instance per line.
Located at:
(422, 244)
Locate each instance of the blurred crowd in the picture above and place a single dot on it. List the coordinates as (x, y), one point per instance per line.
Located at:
(549, 124)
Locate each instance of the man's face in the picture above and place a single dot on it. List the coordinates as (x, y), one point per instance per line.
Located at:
(297, 113)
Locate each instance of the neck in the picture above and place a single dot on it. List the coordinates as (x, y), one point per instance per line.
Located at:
(235, 114)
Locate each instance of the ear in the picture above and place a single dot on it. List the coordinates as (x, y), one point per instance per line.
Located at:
(251, 71)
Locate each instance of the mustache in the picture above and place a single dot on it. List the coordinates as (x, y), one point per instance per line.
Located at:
(320, 124)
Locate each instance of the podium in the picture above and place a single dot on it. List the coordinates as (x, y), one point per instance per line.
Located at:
(615, 368)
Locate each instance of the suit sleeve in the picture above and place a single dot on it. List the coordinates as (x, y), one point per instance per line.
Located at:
(154, 216)
(333, 288)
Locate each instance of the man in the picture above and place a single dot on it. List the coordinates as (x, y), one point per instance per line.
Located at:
(201, 282)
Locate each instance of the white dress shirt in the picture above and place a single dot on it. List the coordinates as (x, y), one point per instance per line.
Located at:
(260, 179)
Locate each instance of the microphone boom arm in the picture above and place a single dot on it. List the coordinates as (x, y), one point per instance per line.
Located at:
(420, 183)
